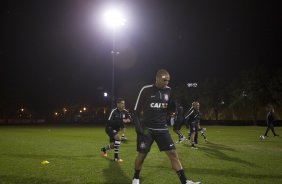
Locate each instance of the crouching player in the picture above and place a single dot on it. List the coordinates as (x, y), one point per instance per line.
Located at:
(115, 123)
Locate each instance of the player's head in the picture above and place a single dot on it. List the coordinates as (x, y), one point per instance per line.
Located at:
(196, 105)
(270, 108)
(162, 78)
(120, 103)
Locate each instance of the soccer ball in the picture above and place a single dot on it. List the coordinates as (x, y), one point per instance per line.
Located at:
(261, 137)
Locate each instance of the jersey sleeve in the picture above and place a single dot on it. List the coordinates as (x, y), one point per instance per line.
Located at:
(139, 128)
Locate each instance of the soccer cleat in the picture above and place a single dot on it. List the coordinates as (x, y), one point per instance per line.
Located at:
(191, 182)
(104, 152)
(118, 160)
(123, 138)
(180, 140)
(135, 181)
(194, 147)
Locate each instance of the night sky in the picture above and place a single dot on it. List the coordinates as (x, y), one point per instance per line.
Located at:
(55, 53)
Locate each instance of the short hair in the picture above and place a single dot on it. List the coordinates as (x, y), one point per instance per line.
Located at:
(161, 72)
(195, 103)
(119, 100)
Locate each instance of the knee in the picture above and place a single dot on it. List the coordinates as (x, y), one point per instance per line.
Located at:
(173, 154)
(118, 137)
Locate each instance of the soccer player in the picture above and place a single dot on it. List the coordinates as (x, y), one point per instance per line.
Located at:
(153, 103)
(193, 118)
(115, 123)
(178, 123)
(270, 122)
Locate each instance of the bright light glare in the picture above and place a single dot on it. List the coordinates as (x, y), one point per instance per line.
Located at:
(114, 18)
(105, 94)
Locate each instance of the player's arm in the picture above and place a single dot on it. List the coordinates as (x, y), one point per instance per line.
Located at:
(188, 114)
(139, 128)
(128, 118)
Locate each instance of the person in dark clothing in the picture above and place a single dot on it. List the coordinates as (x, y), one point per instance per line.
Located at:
(179, 123)
(270, 122)
(154, 102)
(192, 117)
(196, 106)
(115, 123)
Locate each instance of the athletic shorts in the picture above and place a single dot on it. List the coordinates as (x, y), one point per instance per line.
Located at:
(193, 127)
(162, 138)
(111, 133)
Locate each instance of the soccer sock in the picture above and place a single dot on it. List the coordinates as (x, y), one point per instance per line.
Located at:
(136, 174)
(203, 134)
(108, 147)
(116, 148)
(180, 135)
(122, 137)
(181, 176)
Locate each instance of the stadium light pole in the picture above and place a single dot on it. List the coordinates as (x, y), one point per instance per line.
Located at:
(114, 19)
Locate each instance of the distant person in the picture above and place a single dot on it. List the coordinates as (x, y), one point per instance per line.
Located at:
(192, 118)
(179, 123)
(270, 122)
(153, 102)
(115, 123)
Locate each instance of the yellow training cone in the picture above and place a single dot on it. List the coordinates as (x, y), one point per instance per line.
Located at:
(44, 162)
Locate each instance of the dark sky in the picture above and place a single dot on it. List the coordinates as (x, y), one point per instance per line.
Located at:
(58, 52)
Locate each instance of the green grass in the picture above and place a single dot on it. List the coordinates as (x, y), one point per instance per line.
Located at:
(233, 155)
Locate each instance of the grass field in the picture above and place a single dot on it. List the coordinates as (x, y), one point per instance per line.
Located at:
(233, 155)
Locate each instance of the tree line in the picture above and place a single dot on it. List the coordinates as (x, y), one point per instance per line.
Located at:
(245, 97)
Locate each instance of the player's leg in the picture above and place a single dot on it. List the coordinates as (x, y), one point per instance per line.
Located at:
(176, 128)
(123, 138)
(266, 132)
(117, 142)
(193, 133)
(272, 129)
(144, 143)
(165, 143)
(111, 135)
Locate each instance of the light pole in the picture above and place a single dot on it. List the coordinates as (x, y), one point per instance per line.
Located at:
(114, 19)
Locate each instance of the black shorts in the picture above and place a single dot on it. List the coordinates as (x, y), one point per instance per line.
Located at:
(193, 127)
(111, 133)
(162, 138)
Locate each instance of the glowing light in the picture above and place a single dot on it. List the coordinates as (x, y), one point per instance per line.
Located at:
(114, 18)
(105, 94)
(65, 110)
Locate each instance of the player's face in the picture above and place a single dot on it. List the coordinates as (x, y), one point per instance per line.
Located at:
(196, 106)
(121, 105)
(162, 81)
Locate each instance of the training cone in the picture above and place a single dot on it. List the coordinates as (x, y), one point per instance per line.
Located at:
(44, 162)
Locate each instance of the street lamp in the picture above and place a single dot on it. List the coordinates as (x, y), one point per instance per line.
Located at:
(114, 19)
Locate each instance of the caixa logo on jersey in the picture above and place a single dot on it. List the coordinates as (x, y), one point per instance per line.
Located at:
(158, 105)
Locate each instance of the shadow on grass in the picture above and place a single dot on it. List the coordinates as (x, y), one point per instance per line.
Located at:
(114, 174)
(233, 173)
(39, 156)
(30, 180)
(216, 151)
